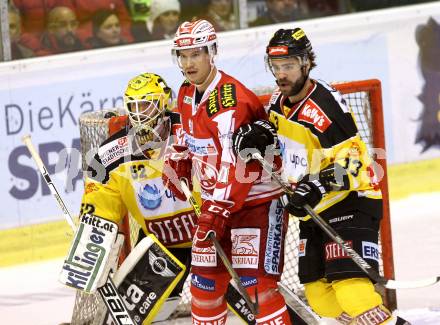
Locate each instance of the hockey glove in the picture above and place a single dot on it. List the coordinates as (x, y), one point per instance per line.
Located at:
(177, 166)
(306, 192)
(213, 219)
(258, 136)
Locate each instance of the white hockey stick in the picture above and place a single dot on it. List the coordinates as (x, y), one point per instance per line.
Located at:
(108, 291)
(372, 273)
(239, 286)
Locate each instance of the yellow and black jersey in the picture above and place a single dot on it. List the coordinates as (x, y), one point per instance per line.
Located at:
(119, 182)
(319, 131)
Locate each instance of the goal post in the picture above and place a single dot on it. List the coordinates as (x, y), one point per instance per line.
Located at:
(365, 99)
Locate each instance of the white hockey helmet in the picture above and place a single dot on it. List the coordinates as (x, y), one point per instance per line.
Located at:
(196, 34)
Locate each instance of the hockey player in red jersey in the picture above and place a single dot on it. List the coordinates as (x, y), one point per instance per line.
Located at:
(326, 160)
(241, 210)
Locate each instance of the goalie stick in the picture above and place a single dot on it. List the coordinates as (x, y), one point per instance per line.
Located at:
(108, 291)
(252, 306)
(372, 273)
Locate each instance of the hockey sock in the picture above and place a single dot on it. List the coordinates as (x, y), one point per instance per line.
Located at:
(322, 298)
(207, 316)
(272, 307)
(208, 303)
(356, 295)
(273, 312)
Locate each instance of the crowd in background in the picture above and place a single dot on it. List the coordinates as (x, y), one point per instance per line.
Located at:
(45, 27)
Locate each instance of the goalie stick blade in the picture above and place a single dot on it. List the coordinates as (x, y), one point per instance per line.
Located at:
(414, 284)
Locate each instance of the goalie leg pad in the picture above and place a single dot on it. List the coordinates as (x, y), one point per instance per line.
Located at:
(86, 265)
(322, 298)
(146, 279)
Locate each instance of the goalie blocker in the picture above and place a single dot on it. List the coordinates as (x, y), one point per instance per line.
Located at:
(145, 280)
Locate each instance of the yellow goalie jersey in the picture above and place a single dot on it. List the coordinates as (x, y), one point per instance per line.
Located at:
(120, 182)
(319, 131)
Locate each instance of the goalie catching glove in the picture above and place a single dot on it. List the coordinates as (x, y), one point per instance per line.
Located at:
(259, 136)
(213, 219)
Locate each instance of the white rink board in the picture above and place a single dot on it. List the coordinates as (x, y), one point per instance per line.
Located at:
(45, 96)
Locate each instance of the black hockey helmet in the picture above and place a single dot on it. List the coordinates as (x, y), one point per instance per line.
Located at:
(286, 43)
(289, 42)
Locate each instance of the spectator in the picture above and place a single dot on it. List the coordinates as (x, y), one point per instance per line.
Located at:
(221, 15)
(106, 30)
(191, 9)
(34, 12)
(18, 50)
(85, 9)
(281, 11)
(60, 36)
(165, 16)
(163, 20)
(139, 10)
(322, 8)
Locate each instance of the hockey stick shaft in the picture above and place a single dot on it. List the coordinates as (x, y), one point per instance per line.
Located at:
(372, 273)
(28, 142)
(253, 306)
(108, 291)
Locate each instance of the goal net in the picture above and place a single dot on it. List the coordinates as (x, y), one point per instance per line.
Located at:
(364, 98)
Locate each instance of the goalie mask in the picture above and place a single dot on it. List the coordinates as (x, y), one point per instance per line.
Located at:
(286, 43)
(146, 101)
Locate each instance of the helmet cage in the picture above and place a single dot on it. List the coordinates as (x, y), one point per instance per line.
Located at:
(147, 117)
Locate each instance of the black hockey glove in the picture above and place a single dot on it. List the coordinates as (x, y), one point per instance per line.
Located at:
(311, 190)
(258, 136)
(306, 192)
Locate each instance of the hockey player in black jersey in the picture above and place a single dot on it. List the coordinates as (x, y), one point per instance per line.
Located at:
(328, 164)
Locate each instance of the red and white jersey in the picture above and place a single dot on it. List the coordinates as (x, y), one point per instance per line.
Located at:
(207, 129)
